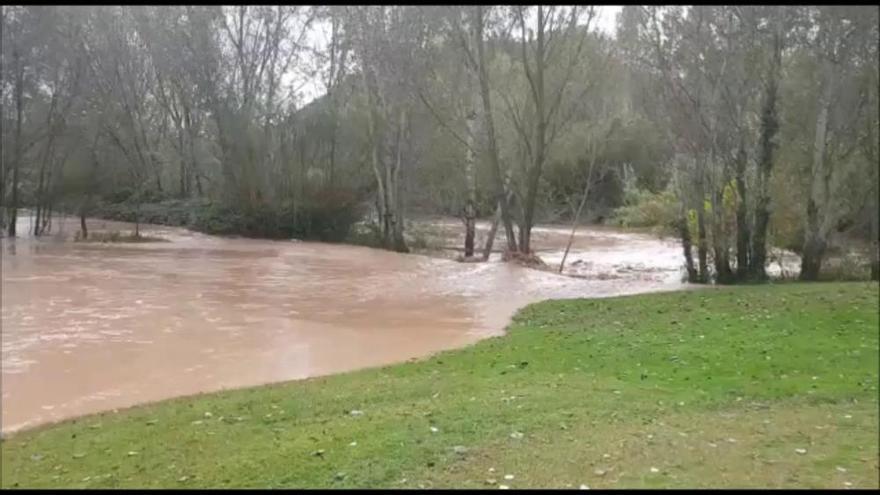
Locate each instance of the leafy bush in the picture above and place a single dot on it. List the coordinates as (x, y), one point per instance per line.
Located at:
(646, 209)
(174, 212)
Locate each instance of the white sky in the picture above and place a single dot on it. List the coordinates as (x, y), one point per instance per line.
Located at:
(320, 36)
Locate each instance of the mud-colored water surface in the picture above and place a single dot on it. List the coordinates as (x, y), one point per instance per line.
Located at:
(88, 327)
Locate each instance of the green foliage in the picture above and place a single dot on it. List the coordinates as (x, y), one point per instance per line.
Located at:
(643, 208)
(174, 212)
(697, 384)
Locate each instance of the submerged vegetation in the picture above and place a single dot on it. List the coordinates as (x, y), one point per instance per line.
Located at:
(760, 386)
(116, 236)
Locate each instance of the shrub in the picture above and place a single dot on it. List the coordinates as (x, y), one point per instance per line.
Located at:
(645, 209)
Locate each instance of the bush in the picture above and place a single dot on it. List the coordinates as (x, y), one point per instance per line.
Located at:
(174, 212)
(645, 209)
(316, 221)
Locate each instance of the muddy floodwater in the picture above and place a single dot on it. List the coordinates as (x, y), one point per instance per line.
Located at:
(88, 327)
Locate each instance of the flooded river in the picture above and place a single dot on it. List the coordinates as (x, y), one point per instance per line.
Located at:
(88, 327)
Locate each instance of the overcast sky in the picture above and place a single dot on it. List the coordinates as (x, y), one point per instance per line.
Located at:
(320, 36)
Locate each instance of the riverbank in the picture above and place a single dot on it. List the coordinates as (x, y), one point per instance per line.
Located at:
(765, 386)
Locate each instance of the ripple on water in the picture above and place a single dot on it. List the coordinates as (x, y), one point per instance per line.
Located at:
(203, 313)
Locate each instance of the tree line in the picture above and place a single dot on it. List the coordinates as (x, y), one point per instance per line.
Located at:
(736, 127)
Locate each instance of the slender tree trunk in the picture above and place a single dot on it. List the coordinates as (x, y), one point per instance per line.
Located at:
(534, 176)
(16, 158)
(743, 235)
(574, 224)
(702, 248)
(40, 196)
(490, 239)
(381, 201)
(500, 192)
(396, 202)
(685, 234)
(577, 215)
(702, 251)
(82, 218)
(46, 224)
(192, 168)
(184, 173)
(470, 212)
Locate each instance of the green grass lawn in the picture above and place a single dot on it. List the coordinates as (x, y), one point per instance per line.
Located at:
(760, 386)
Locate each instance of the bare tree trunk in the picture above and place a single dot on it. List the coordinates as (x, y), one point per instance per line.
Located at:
(470, 213)
(184, 173)
(82, 218)
(500, 192)
(380, 183)
(577, 215)
(16, 159)
(685, 234)
(743, 235)
(574, 224)
(702, 255)
(396, 202)
(40, 196)
(490, 239)
(534, 176)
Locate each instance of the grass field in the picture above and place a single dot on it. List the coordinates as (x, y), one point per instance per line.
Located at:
(760, 386)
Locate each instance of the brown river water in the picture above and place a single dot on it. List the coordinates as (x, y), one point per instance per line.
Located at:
(88, 327)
